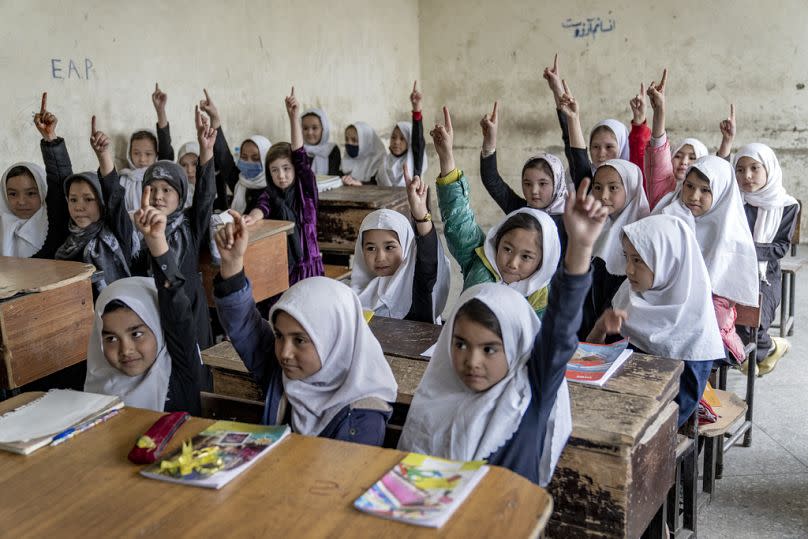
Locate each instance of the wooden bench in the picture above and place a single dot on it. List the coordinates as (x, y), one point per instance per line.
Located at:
(618, 465)
(265, 262)
(341, 211)
(46, 317)
(790, 266)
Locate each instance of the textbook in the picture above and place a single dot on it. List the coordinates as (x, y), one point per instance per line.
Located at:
(57, 415)
(218, 454)
(596, 363)
(326, 182)
(422, 490)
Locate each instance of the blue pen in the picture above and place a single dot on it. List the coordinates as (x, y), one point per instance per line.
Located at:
(63, 434)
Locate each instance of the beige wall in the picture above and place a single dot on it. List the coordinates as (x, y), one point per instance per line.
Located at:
(751, 53)
(354, 58)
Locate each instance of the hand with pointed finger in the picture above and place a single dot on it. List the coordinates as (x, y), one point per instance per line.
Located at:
(208, 107)
(99, 141)
(553, 78)
(728, 126)
(584, 216)
(232, 240)
(292, 105)
(151, 222)
(656, 92)
(45, 121)
(567, 103)
(637, 105)
(416, 194)
(489, 127)
(415, 97)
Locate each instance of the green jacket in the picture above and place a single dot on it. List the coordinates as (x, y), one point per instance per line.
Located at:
(465, 238)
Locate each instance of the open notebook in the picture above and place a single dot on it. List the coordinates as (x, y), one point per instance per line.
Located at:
(34, 425)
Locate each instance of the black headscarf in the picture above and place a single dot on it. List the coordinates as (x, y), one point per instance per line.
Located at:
(178, 232)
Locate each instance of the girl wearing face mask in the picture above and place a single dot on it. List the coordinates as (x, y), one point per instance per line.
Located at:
(324, 156)
(246, 179)
(364, 155)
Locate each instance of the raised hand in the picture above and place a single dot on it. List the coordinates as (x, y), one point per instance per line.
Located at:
(292, 105)
(637, 105)
(443, 138)
(489, 127)
(553, 78)
(728, 126)
(44, 121)
(583, 220)
(159, 100)
(205, 135)
(208, 107)
(232, 240)
(656, 92)
(567, 103)
(292, 108)
(152, 224)
(415, 97)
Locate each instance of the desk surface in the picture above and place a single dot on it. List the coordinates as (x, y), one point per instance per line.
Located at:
(305, 487)
(268, 227)
(404, 338)
(365, 196)
(39, 274)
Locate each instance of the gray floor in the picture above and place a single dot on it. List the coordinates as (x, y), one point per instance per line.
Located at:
(764, 491)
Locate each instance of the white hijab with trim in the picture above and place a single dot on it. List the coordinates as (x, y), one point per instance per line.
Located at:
(23, 237)
(551, 252)
(149, 390)
(392, 296)
(621, 134)
(769, 200)
(132, 178)
(608, 247)
(393, 168)
(449, 420)
(239, 202)
(353, 364)
(722, 232)
(675, 318)
(367, 162)
(322, 150)
(192, 148)
(560, 192)
(698, 147)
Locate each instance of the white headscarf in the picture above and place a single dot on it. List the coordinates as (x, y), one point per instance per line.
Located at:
(322, 149)
(132, 178)
(392, 296)
(608, 247)
(770, 200)
(148, 390)
(371, 154)
(722, 232)
(192, 148)
(675, 318)
(698, 147)
(239, 202)
(393, 169)
(556, 206)
(23, 237)
(449, 420)
(621, 134)
(551, 252)
(353, 365)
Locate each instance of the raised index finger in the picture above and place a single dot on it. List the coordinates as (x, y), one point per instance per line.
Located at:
(555, 63)
(197, 116)
(293, 92)
(44, 108)
(732, 112)
(145, 198)
(415, 86)
(207, 97)
(92, 126)
(494, 113)
(664, 79)
(447, 118)
(583, 189)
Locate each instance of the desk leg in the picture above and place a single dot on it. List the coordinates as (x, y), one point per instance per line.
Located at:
(656, 528)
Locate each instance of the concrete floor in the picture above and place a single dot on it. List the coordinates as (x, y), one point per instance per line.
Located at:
(764, 490)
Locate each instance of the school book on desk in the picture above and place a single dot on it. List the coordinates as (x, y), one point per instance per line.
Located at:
(596, 363)
(422, 490)
(218, 454)
(326, 182)
(36, 424)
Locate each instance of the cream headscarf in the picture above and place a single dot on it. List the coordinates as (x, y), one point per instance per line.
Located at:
(239, 202)
(353, 365)
(23, 237)
(370, 157)
(393, 169)
(556, 206)
(322, 150)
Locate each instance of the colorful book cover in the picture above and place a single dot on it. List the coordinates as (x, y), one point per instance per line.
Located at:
(218, 454)
(422, 490)
(595, 363)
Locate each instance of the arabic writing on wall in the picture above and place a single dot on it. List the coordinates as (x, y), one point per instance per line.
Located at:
(589, 27)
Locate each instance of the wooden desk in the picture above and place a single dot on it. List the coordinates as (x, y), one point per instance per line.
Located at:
(404, 338)
(265, 262)
(46, 316)
(341, 211)
(305, 487)
(618, 464)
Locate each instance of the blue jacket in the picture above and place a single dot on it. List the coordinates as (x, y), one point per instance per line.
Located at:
(254, 341)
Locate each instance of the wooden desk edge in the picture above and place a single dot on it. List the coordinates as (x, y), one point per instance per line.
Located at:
(86, 273)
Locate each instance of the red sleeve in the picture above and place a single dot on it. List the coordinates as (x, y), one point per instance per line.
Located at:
(637, 141)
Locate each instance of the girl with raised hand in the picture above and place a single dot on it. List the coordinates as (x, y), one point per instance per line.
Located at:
(407, 146)
(665, 305)
(143, 347)
(322, 369)
(522, 251)
(544, 186)
(247, 178)
(398, 273)
(494, 388)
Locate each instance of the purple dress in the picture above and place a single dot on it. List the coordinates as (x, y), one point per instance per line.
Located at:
(297, 203)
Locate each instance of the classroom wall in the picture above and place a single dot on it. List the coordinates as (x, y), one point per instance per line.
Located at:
(354, 58)
(751, 53)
